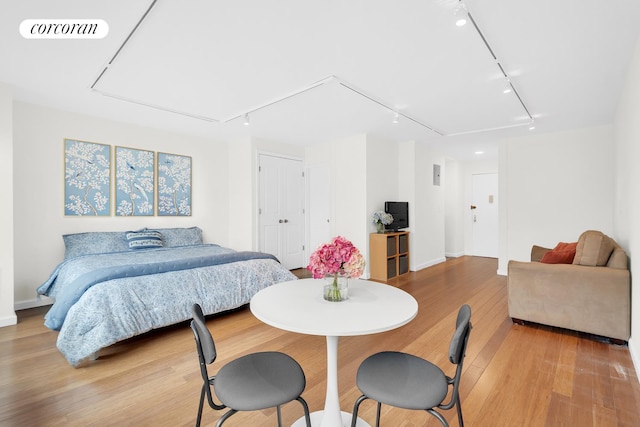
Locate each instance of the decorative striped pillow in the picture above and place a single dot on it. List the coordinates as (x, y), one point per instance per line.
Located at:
(144, 239)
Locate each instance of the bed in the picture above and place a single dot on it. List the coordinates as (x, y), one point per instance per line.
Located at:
(115, 285)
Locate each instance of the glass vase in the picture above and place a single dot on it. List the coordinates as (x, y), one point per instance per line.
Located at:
(337, 287)
(380, 227)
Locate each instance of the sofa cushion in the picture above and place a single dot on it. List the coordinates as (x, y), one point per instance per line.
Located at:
(563, 253)
(594, 248)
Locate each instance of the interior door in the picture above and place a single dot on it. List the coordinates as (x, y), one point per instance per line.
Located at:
(281, 214)
(484, 215)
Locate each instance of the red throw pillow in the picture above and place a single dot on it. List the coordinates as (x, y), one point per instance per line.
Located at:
(563, 253)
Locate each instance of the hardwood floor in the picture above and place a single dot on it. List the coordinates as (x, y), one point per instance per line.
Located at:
(513, 375)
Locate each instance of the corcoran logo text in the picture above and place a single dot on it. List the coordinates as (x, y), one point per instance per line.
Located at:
(64, 28)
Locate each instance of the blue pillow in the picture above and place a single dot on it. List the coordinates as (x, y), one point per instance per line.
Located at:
(181, 236)
(144, 239)
(93, 242)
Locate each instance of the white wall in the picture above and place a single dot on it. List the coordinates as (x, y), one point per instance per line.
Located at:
(382, 176)
(241, 194)
(39, 187)
(382, 180)
(7, 313)
(555, 186)
(626, 201)
(426, 203)
(454, 207)
(349, 178)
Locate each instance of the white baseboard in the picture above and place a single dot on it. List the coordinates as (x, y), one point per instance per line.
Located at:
(429, 264)
(454, 255)
(8, 320)
(32, 303)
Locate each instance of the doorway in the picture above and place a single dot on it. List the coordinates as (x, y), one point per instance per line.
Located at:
(484, 215)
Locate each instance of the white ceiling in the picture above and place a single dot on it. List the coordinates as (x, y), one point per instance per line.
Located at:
(313, 71)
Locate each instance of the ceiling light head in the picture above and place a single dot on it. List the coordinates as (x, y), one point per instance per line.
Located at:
(396, 117)
(246, 119)
(479, 152)
(461, 13)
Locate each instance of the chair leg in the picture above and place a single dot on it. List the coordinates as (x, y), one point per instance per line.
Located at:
(459, 408)
(200, 406)
(356, 406)
(225, 417)
(305, 407)
(279, 416)
(438, 416)
(378, 410)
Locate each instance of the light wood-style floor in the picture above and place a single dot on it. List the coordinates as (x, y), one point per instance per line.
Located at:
(514, 375)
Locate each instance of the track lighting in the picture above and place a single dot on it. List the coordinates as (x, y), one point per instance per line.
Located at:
(246, 119)
(396, 117)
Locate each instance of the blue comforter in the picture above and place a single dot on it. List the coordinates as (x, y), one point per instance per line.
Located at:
(105, 298)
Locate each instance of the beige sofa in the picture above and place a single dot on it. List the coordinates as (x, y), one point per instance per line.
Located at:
(593, 294)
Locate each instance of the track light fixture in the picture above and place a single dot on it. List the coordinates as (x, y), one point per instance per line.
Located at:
(246, 119)
(396, 117)
(461, 14)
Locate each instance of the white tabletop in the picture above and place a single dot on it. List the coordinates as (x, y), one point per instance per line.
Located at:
(298, 306)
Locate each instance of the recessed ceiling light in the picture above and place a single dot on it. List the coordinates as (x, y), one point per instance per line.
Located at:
(479, 152)
(532, 127)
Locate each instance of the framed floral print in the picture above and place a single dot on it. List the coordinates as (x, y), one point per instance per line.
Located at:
(174, 185)
(87, 178)
(134, 182)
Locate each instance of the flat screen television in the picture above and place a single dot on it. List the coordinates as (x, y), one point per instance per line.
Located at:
(400, 213)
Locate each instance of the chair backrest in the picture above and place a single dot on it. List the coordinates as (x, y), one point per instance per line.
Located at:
(204, 340)
(458, 344)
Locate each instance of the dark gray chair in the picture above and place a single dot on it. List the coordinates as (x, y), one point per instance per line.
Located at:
(409, 382)
(252, 382)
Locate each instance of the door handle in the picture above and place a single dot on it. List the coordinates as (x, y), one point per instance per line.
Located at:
(473, 207)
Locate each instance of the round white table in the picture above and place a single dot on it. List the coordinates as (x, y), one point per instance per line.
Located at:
(298, 306)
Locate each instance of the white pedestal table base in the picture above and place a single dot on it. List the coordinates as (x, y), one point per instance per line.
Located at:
(316, 420)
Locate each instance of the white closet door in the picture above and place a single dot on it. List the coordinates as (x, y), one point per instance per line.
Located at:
(281, 222)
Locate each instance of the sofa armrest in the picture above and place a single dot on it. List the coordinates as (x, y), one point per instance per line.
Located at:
(537, 252)
(595, 300)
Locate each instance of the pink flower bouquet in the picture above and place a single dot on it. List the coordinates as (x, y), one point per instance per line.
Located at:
(338, 257)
